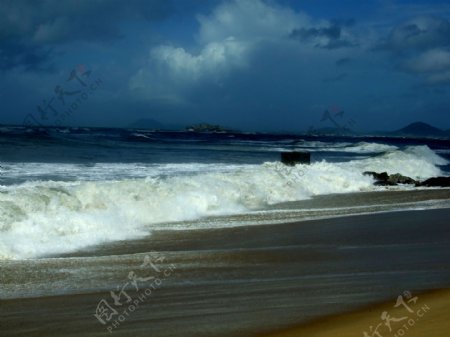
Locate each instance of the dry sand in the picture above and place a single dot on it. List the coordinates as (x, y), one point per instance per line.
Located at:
(430, 318)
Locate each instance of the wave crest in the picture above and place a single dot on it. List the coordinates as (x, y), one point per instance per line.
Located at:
(46, 217)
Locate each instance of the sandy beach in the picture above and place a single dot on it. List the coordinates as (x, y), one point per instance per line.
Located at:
(242, 281)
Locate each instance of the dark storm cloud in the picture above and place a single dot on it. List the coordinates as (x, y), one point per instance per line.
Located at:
(421, 47)
(29, 57)
(29, 28)
(336, 44)
(420, 33)
(64, 21)
(333, 33)
(330, 37)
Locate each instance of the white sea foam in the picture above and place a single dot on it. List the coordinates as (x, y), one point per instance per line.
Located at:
(365, 147)
(48, 217)
(418, 162)
(362, 147)
(102, 171)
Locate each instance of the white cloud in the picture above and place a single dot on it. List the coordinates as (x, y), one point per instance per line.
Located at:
(226, 41)
(434, 64)
(435, 60)
(249, 20)
(214, 59)
(443, 77)
(227, 38)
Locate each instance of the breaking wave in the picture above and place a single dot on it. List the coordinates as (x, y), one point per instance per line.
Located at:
(49, 217)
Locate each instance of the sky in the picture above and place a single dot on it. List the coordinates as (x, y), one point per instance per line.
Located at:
(256, 65)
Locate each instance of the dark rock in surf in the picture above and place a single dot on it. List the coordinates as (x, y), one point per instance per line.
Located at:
(436, 182)
(399, 179)
(381, 178)
(384, 183)
(293, 158)
(384, 179)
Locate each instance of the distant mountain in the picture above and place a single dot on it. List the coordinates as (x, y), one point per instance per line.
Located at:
(147, 124)
(420, 129)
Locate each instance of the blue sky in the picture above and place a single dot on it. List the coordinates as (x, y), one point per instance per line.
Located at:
(263, 65)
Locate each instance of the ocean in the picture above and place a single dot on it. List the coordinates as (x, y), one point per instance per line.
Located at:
(130, 232)
(63, 190)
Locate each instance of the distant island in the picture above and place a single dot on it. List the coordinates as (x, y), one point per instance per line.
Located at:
(205, 127)
(420, 129)
(152, 124)
(416, 129)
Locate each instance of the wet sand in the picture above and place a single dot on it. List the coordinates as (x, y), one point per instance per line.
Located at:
(242, 281)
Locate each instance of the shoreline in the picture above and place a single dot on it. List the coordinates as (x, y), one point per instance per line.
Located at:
(295, 212)
(240, 281)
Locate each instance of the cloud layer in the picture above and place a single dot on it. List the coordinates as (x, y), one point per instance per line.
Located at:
(249, 64)
(422, 45)
(29, 29)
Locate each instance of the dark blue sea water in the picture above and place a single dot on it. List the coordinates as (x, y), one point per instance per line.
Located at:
(90, 146)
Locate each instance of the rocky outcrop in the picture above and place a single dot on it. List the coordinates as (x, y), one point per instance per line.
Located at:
(204, 127)
(436, 182)
(384, 179)
(381, 178)
(399, 179)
